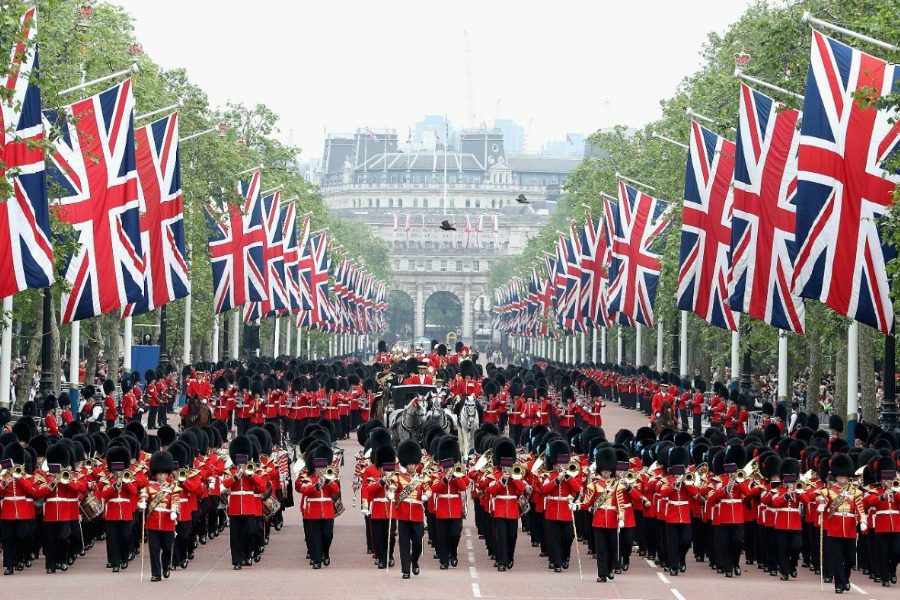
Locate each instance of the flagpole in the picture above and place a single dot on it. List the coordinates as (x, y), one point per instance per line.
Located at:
(186, 342)
(603, 344)
(235, 333)
(287, 336)
(852, 379)
(74, 356)
(782, 366)
(619, 344)
(683, 339)
(659, 344)
(277, 334)
(583, 342)
(739, 74)
(6, 352)
(132, 70)
(215, 339)
(735, 355)
(594, 345)
(127, 342)
(808, 18)
(638, 339)
(670, 140)
(299, 341)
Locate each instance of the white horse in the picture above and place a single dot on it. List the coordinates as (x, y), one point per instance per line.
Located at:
(444, 419)
(468, 421)
(406, 423)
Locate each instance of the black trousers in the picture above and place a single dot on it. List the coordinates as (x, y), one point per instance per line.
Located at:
(242, 535)
(319, 534)
(182, 541)
(560, 535)
(447, 533)
(410, 534)
(605, 546)
(840, 554)
(678, 539)
(729, 541)
(160, 546)
(626, 543)
(787, 545)
(242, 426)
(506, 533)
(380, 539)
(887, 553)
(118, 541)
(698, 427)
(16, 536)
(56, 541)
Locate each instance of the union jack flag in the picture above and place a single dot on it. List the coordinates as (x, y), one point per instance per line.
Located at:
(573, 318)
(292, 255)
(235, 248)
(304, 267)
(764, 223)
(94, 167)
(705, 256)
(277, 295)
(26, 257)
(843, 188)
(594, 272)
(166, 275)
(317, 279)
(634, 273)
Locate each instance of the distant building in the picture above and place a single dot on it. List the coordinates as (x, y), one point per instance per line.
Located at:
(513, 135)
(571, 147)
(404, 196)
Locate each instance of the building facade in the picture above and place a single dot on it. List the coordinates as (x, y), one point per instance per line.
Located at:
(405, 196)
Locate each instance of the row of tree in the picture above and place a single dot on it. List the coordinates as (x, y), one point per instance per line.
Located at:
(778, 40)
(81, 40)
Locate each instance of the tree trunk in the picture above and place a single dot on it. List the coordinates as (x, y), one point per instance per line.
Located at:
(23, 384)
(840, 376)
(868, 404)
(94, 344)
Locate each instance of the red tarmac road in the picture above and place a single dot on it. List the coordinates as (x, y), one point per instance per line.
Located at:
(284, 574)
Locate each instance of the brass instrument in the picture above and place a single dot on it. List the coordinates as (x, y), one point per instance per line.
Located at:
(18, 472)
(629, 478)
(66, 477)
(517, 472)
(249, 469)
(127, 477)
(458, 470)
(895, 486)
(183, 474)
(573, 469)
(330, 473)
(740, 476)
(485, 460)
(799, 486)
(690, 478)
(537, 466)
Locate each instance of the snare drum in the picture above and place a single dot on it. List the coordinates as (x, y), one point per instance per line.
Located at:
(91, 507)
(270, 507)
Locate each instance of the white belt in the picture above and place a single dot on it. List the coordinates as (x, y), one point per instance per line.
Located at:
(318, 499)
(843, 514)
(730, 500)
(607, 508)
(20, 498)
(118, 500)
(162, 510)
(785, 509)
(887, 512)
(380, 500)
(62, 499)
(678, 502)
(412, 501)
(457, 496)
(563, 498)
(505, 497)
(242, 493)
(625, 506)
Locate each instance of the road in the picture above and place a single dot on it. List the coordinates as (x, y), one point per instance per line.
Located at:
(283, 572)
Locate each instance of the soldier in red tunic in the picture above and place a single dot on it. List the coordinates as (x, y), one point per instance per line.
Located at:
(160, 502)
(17, 509)
(560, 490)
(448, 486)
(245, 484)
(505, 490)
(120, 495)
(319, 490)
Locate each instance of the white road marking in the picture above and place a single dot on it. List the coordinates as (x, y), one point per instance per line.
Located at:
(473, 572)
(663, 578)
(858, 589)
(472, 557)
(469, 545)
(476, 590)
(677, 594)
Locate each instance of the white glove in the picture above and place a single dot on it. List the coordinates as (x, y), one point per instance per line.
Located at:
(821, 508)
(173, 515)
(573, 506)
(142, 505)
(365, 511)
(621, 523)
(863, 526)
(390, 496)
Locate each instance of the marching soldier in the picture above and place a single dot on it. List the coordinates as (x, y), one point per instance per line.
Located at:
(245, 485)
(378, 503)
(17, 508)
(61, 492)
(447, 488)
(319, 489)
(505, 490)
(840, 506)
(560, 488)
(412, 495)
(119, 492)
(160, 501)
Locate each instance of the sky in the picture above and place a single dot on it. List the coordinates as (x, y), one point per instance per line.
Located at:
(337, 65)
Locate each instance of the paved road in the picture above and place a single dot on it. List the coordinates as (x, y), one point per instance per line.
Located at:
(284, 574)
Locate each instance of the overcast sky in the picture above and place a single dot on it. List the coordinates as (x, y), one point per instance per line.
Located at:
(335, 65)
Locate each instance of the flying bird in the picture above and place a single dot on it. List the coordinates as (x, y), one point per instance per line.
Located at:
(446, 226)
(521, 199)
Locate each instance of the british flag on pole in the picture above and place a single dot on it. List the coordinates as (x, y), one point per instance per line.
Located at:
(277, 297)
(166, 275)
(634, 273)
(764, 216)
(317, 279)
(292, 256)
(94, 166)
(705, 257)
(26, 257)
(843, 188)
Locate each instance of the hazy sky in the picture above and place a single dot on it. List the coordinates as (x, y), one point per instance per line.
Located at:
(335, 65)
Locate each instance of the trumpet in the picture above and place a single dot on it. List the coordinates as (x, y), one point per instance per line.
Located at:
(690, 478)
(740, 476)
(799, 486)
(573, 469)
(330, 473)
(183, 474)
(249, 469)
(629, 478)
(66, 477)
(517, 472)
(458, 470)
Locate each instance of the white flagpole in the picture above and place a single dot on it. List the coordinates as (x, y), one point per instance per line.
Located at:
(127, 343)
(74, 356)
(659, 344)
(782, 365)
(277, 335)
(852, 379)
(619, 344)
(186, 351)
(603, 331)
(683, 341)
(215, 339)
(594, 345)
(6, 352)
(808, 18)
(638, 339)
(235, 333)
(287, 336)
(735, 355)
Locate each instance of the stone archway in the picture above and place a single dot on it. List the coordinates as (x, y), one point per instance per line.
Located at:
(400, 317)
(443, 314)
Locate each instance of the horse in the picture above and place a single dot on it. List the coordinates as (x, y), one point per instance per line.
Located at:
(468, 418)
(198, 414)
(439, 415)
(406, 423)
